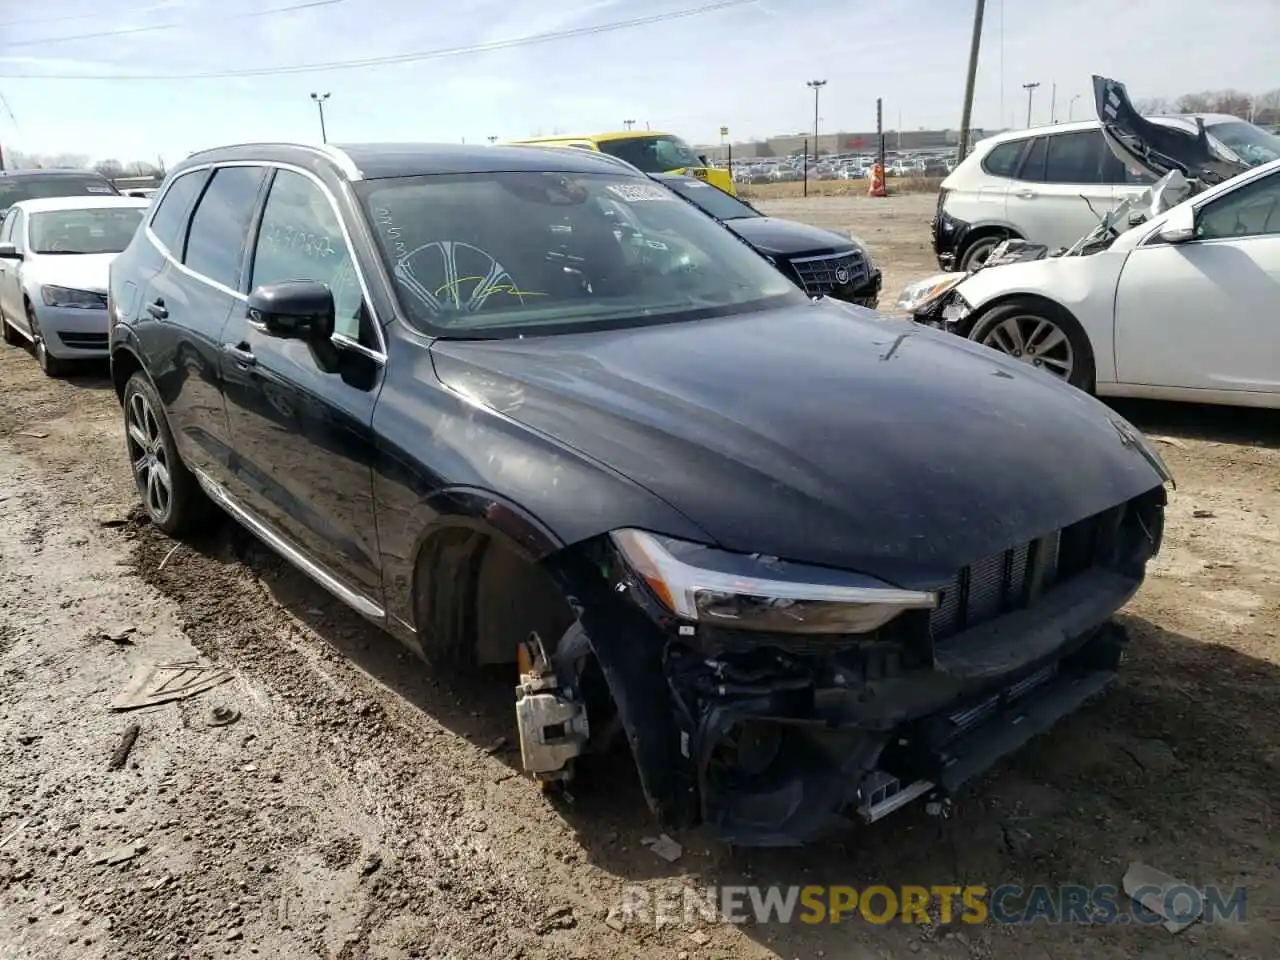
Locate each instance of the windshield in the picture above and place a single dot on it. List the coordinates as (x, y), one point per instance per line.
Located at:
(652, 153)
(95, 230)
(12, 190)
(504, 254)
(711, 199)
(1251, 144)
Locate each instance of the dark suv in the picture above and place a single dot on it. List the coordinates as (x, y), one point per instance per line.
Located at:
(522, 405)
(16, 185)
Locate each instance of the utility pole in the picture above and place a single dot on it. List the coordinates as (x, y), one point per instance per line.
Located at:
(1031, 89)
(628, 124)
(966, 112)
(1053, 104)
(816, 85)
(320, 98)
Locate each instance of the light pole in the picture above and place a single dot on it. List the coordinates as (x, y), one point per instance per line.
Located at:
(1071, 106)
(320, 98)
(1031, 89)
(628, 124)
(966, 112)
(817, 86)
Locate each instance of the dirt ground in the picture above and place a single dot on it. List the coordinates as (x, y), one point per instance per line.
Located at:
(363, 808)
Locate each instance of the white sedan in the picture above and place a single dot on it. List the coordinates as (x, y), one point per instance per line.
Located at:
(1185, 306)
(55, 254)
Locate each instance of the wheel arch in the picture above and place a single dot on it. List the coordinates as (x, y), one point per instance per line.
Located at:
(125, 362)
(477, 540)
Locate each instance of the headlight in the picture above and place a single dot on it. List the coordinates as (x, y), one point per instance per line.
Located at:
(920, 294)
(66, 297)
(724, 589)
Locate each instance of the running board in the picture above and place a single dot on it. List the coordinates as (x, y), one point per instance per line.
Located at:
(356, 601)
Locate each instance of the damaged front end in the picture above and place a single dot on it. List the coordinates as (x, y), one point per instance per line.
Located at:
(774, 701)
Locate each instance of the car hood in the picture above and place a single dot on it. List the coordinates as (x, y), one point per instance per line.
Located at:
(84, 271)
(786, 237)
(821, 433)
(1155, 147)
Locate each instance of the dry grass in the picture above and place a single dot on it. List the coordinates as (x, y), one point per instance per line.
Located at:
(835, 188)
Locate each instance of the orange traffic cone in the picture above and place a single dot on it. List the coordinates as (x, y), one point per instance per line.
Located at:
(877, 182)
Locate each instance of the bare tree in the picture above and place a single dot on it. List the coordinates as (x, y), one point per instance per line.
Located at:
(1153, 106)
(21, 160)
(1266, 107)
(109, 168)
(1233, 102)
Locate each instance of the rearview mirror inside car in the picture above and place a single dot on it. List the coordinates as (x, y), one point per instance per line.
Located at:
(9, 252)
(299, 309)
(1179, 226)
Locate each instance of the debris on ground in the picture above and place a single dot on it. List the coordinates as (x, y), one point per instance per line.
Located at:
(613, 920)
(121, 638)
(497, 745)
(222, 716)
(14, 832)
(371, 864)
(120, 755)
(163, 682)
(700, 938)
(1171, 441)
(1203, 514)
(557, 918)
(34, 434)
(172, 551)
(664, 847)
(121, 855)
(1140, 876)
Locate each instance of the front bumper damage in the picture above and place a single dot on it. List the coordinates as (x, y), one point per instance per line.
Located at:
(777, 739)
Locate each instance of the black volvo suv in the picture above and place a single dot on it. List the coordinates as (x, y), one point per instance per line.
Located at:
(520, 405)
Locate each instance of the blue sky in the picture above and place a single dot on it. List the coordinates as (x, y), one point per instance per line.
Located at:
(744, 67)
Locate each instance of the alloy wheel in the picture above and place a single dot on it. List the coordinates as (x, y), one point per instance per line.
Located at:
(1034, 340)
(150, 457)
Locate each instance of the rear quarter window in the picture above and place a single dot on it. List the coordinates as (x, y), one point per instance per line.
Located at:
(1002, 161)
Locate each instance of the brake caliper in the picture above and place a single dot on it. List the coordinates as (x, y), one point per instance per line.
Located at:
(552, 723)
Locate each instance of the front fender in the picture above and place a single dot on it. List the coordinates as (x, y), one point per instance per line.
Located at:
(1084, 286)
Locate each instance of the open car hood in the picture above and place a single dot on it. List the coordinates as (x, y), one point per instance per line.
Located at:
(1155, 147)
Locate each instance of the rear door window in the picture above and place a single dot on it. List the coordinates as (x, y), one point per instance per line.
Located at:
(1077, 157)
(220, 225)
(1033, 163)
(169, 222)
(1002, 161)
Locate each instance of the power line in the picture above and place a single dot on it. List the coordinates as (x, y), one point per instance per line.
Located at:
(125, 31)
(113, 15)
(437, 54)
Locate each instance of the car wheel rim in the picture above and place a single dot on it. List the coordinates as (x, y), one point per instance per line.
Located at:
(150, 457)
(1033, 340)
(980, 253)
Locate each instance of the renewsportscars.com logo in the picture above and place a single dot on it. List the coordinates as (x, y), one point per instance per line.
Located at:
(1007, 904)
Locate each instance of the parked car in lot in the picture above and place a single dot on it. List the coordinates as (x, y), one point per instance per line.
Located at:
(527, 406)
(1050, 184)
(54, 257)
(822, 262)
(1179, 307)
(16, 185)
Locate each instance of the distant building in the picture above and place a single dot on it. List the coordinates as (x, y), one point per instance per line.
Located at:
(840, 142)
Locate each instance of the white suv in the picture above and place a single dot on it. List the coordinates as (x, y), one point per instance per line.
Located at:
(1037, 184)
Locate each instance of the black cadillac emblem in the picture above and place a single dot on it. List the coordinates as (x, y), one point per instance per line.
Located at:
(842, 274)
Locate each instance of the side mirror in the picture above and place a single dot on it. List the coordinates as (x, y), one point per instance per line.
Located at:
(9, 252)
(297, 309)
(1179, 226)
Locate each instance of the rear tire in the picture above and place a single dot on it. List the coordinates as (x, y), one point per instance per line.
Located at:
(170, 493)
(1041, 334)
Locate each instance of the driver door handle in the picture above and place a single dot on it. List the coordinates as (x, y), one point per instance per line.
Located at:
(241, 354)
(1027, 194)
(157, 309)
